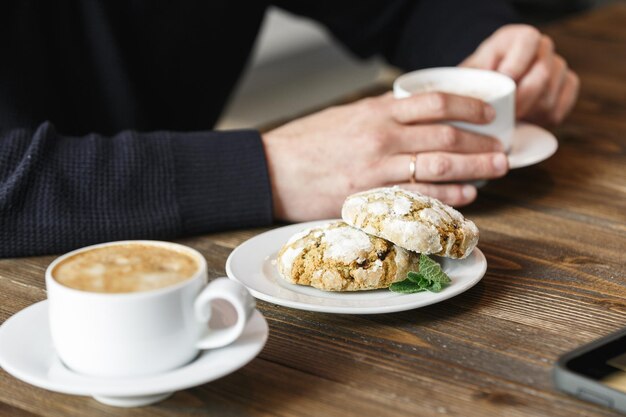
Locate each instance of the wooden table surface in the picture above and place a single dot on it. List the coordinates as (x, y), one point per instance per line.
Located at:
(554, 235)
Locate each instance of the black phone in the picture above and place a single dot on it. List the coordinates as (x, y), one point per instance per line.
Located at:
(596, 372)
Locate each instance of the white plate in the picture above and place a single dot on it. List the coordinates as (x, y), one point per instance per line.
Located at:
(26, 352)
(253, 264)
(531, 144)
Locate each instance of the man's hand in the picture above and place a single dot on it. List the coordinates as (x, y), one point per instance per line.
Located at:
(316, 161)
(546, 88)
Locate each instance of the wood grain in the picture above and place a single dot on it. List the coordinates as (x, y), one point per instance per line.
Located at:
(554, 235)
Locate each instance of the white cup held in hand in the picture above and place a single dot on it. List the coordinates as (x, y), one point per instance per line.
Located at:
(492, 87)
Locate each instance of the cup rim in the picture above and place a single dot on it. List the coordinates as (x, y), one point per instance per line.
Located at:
(201, 271)
(511, 86)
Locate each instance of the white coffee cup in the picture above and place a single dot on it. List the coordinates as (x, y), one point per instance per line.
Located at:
(492, 87)
(146, 332)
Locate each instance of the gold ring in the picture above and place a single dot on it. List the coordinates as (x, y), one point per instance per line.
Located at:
(412, 166)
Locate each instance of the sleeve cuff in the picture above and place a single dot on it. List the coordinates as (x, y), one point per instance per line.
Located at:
(222, 180)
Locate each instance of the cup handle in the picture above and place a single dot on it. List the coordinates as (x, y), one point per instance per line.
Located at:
(237, 296)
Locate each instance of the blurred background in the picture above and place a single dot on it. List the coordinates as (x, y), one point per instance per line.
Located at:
(296, 66)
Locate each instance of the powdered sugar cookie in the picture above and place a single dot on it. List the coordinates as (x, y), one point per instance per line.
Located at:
(412, 221)
(337, 257)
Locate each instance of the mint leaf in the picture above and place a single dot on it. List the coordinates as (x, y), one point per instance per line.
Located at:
(405, 287)
(429, 278)
(432, 272)
(418, 278)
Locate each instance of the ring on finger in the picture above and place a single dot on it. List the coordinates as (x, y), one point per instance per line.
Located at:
(412, 169)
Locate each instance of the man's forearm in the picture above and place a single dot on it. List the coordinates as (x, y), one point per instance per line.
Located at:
(58, 193)
(444, 32)
(409, 33)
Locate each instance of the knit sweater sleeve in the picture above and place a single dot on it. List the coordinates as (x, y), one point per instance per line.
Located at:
(408, 33)
(58, 192)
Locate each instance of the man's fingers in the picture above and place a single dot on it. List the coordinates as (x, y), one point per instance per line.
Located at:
(486, 57)
(452, 194)
(543, 112)
(441, 137)
(567, 98)
(557, 80)
(536, 81)
(522, 53)
(443, 167)
(432, 107)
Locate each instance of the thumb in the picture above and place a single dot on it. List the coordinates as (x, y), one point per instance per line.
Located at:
(520, 55)
(484, 57)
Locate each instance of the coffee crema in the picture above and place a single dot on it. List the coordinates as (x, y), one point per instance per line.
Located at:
(124, 268)
(457, 89)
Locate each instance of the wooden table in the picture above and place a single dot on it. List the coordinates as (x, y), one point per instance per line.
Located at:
(554, 235)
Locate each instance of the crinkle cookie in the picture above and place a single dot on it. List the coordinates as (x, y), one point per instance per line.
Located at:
(411, 220)
(337, 257)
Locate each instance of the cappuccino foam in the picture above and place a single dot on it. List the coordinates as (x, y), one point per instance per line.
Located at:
(455, 88)
(125, 268)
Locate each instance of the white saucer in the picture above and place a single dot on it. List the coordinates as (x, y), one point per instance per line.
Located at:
(531, 144)
(253, 264)
(26, 352)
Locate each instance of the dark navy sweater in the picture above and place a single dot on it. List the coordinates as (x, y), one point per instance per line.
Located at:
(107, 108)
